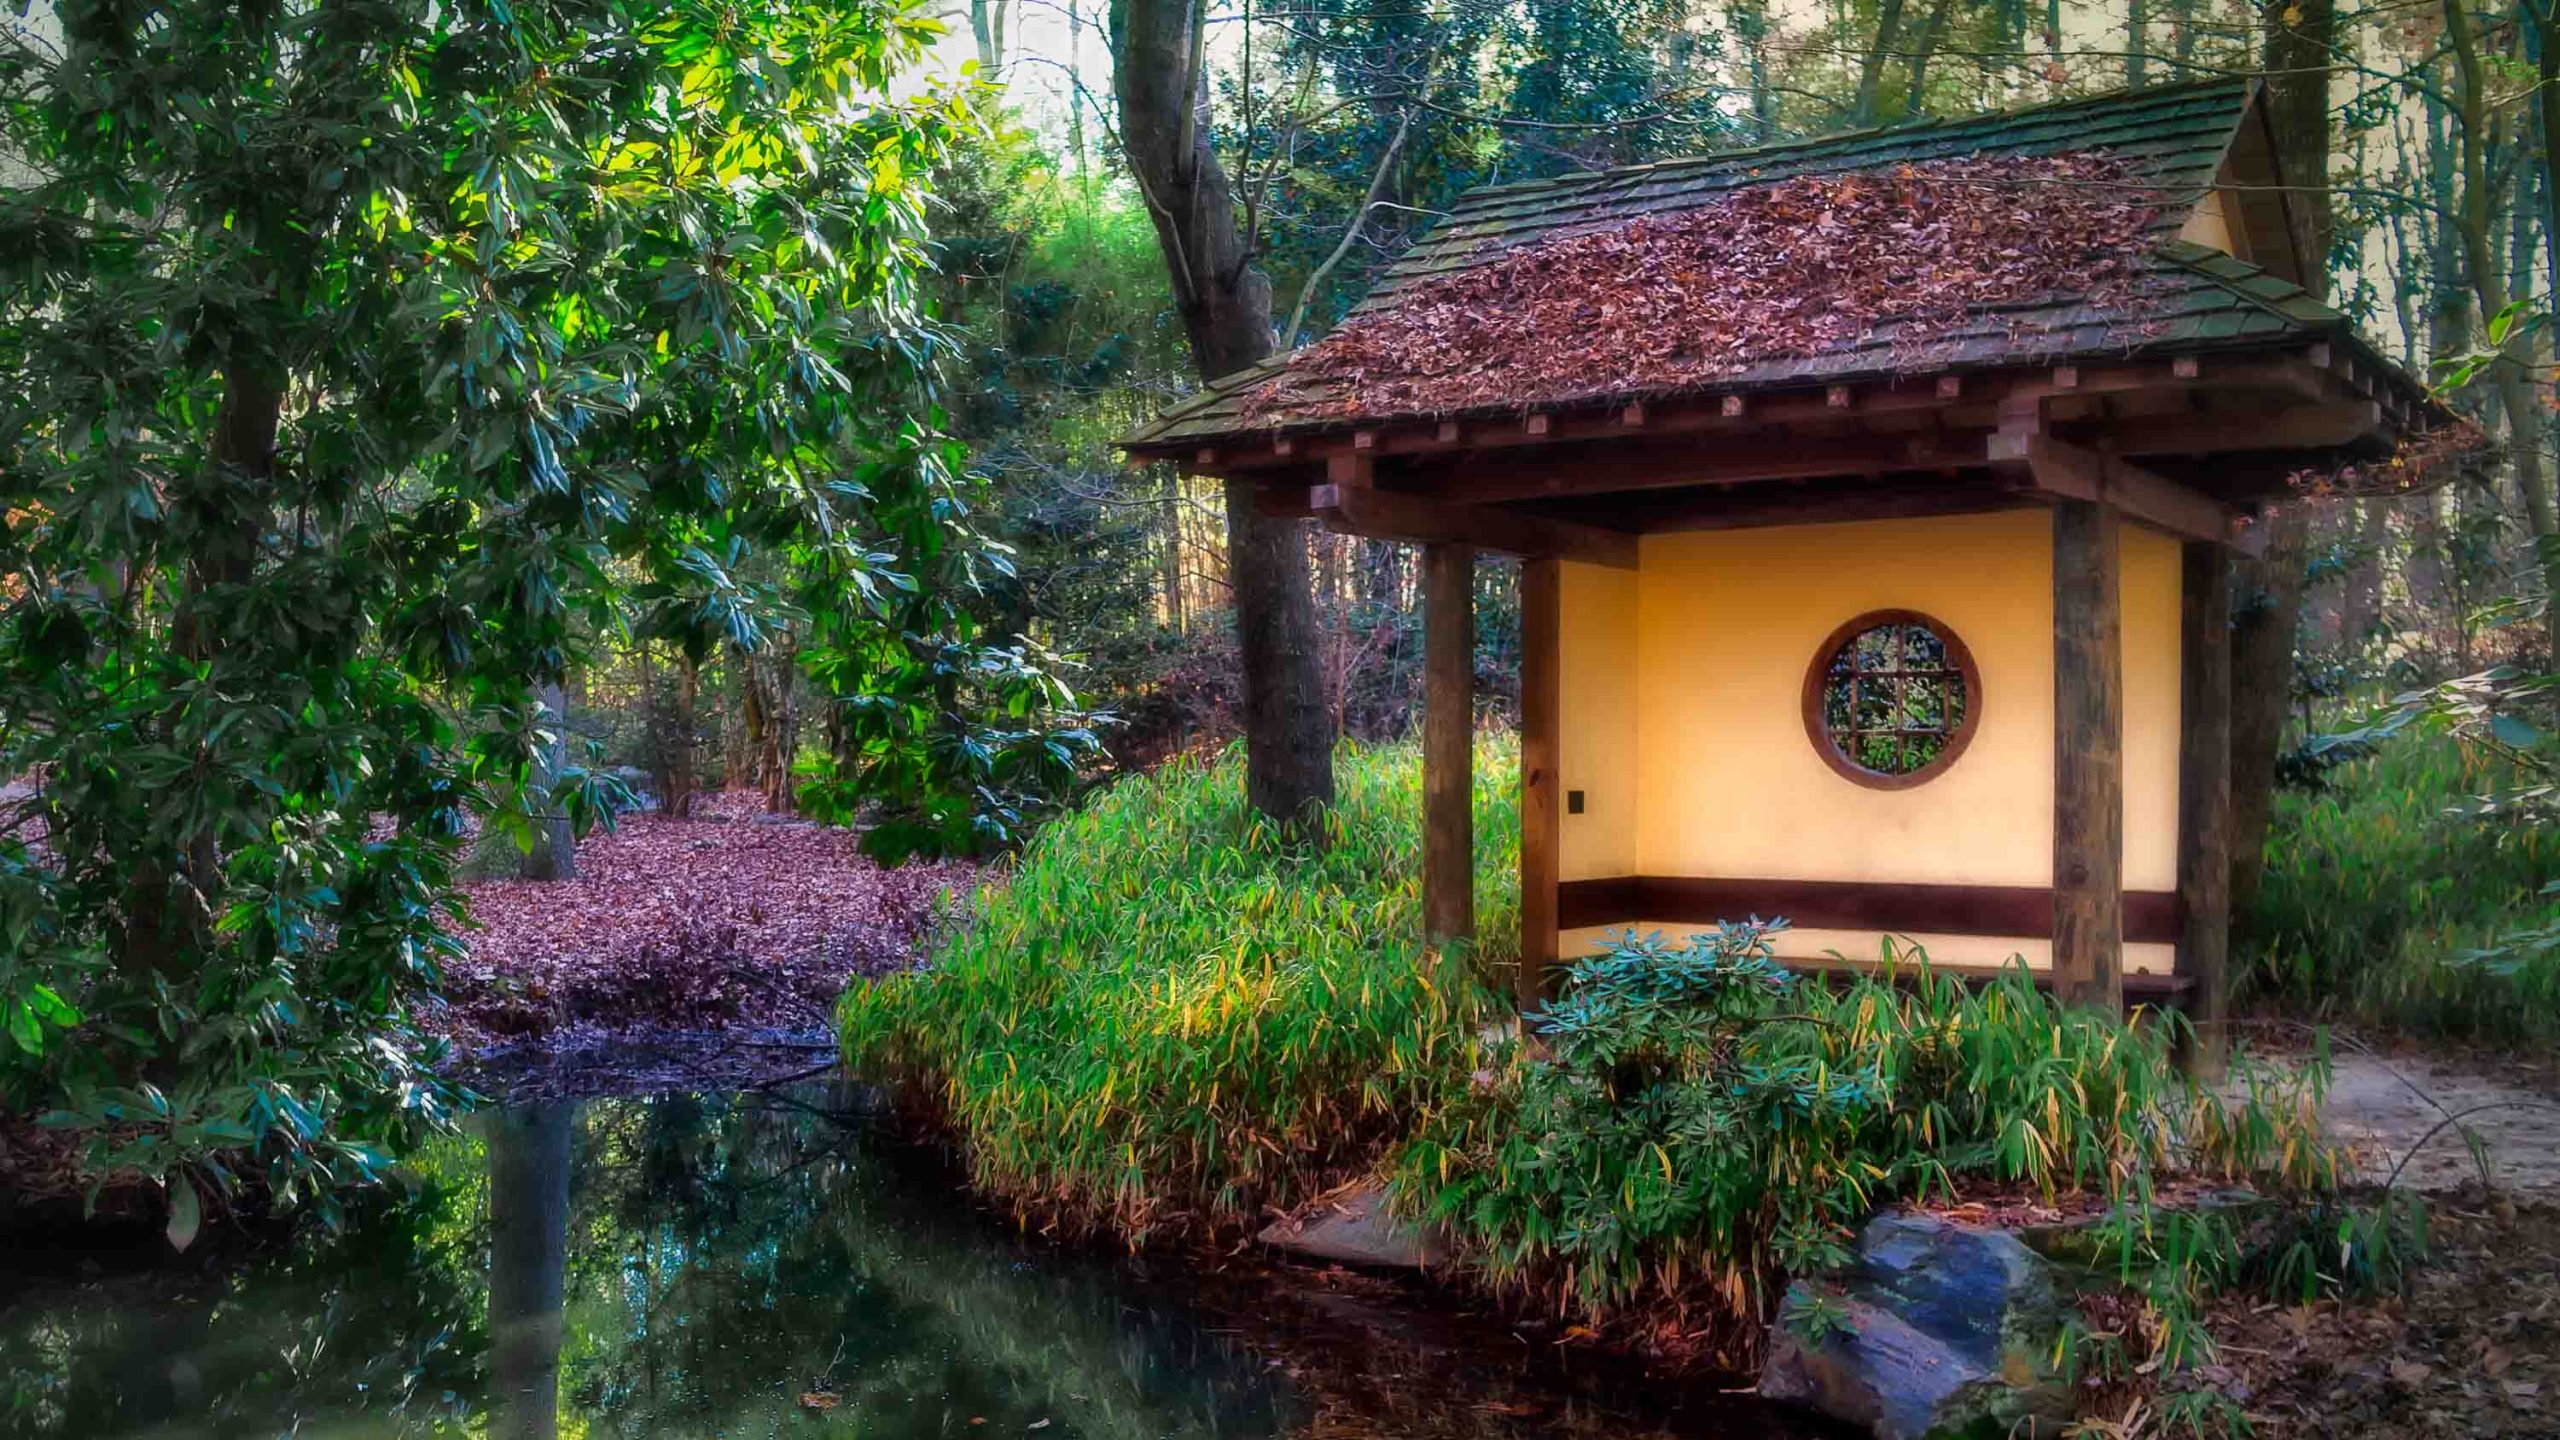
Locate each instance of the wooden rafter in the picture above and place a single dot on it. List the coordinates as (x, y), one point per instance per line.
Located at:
(1388, 515)
(2068, 472)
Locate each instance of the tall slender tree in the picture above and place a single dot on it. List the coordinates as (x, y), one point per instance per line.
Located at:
(2267, 590)
(1160, 77)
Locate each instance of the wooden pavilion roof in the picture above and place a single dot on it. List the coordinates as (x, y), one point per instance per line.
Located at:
(2218, 374)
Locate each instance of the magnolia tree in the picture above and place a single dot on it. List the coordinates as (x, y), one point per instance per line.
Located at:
(359, 362)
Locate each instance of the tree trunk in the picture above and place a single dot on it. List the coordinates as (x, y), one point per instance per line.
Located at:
(2360, 606)
(986, 26)
(1161, 81)
(2266, 592)
(1170, 555)
(2474, 215)
(680, 762)
(1862, 109)
(555, 845)
(230, 502)
(1915, 101)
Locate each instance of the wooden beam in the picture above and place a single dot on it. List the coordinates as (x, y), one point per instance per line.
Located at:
(1448, 746)
(1663, 465)
(1391, 515)
(2074, 473)
(2023, 912)
(1541, 799)
(2204, 801)
(2286, 374)
(1745, 507)
(2088, 758)
(2296, 427)
(1282, 502)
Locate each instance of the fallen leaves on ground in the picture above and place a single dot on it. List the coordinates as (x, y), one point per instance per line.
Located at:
(1769, 272)
(732, 917)
(2470, 1352)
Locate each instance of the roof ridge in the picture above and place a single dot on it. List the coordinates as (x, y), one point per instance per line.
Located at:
(1922, 125)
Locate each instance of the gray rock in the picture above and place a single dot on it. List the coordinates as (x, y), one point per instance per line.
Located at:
(1936, 1330)
(1351, 1226)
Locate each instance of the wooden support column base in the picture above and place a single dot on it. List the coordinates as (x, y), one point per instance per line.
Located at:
(1541, 801)
(1448, 747)
(2204, 804)
(2088, 759)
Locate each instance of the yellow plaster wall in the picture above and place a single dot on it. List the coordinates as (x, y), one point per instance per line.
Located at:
(1596, 720)
(1725, 782)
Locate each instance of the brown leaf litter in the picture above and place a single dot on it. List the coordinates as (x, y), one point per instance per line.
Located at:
(732, 918)
(1783, 270)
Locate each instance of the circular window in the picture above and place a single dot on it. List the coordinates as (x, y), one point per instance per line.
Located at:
(1891, 698)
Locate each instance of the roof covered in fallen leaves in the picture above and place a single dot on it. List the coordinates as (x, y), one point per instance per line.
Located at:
(2043, 236)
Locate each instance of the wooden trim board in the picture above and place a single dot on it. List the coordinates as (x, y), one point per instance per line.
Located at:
(2026, 911)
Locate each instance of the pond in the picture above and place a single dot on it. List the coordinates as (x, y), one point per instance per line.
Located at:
(761, 1264)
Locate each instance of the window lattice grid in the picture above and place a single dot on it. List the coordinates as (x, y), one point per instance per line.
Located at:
(1893, 697)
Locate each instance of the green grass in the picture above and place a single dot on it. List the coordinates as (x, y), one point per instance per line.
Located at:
(1169, 1012)
(2386, 900)
(1168, 1017)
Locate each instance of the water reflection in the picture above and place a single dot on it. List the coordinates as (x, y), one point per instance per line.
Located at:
(528, 1268)
(753, 1265)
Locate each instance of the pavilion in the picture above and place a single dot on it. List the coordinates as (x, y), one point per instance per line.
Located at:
(1893, 621)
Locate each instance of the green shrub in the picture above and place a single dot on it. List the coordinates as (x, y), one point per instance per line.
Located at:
(1167, 1009)
(1706, 1121)
(2393, 893)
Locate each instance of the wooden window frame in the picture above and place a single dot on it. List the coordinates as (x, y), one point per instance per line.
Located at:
(1818, 730)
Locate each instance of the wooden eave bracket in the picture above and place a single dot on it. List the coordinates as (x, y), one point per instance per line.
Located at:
(1386, 515)
(2071, 472)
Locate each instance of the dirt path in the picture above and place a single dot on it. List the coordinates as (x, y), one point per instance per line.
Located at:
(2411, 1113)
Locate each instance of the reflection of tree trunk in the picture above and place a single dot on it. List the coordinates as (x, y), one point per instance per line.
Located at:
(555, 846)
(528, 1259)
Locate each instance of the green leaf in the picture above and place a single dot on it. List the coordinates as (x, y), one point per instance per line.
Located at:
(2514, 730)
(23, 1028)
(186, 1213)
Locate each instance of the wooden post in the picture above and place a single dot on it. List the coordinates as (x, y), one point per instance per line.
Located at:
(2204, 801)
(1448, 745)
(2088, 759)
(1541, 803)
